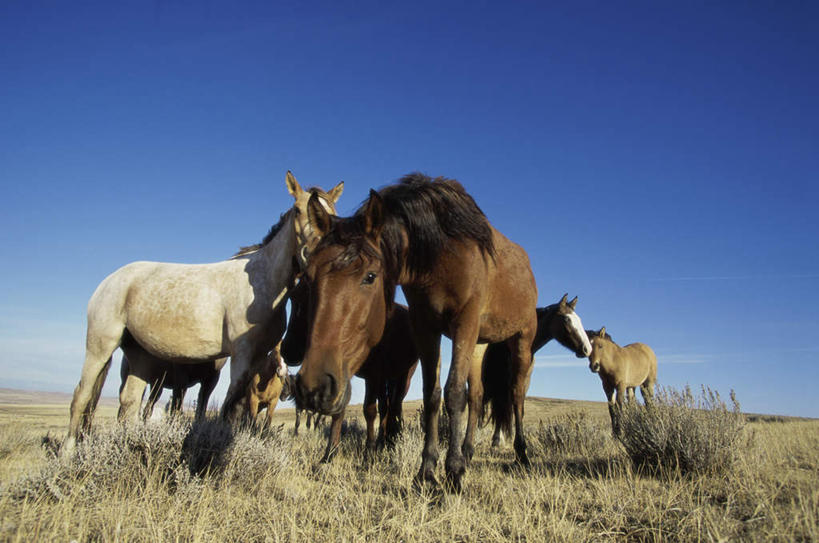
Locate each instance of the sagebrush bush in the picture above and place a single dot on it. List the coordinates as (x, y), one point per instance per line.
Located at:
(173, 452)
(573, 434)
(680, 431)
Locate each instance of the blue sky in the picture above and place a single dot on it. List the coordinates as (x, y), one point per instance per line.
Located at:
(658, 161)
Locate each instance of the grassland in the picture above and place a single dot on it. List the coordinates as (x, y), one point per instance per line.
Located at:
(167, 482)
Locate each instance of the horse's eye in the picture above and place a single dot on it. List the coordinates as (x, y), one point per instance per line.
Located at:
(368, 279)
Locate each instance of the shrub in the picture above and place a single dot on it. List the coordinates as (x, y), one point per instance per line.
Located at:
(682, 432)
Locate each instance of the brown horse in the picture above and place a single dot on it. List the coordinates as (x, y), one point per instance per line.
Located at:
(159, 374)
(461, 278)
(387, 371)
(267, 384)
(557, 321)
(621, 369)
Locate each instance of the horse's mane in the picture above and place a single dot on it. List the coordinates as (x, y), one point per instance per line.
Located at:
(596, 333)
(432, 213)
(246, 250)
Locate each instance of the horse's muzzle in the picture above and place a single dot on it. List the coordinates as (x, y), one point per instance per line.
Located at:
(325, 398)
(594, 367)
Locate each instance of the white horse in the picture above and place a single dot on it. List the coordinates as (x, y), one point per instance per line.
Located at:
(197, 313)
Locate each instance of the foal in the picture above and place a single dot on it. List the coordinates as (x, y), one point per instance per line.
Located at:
(622, 369)
(268, 383)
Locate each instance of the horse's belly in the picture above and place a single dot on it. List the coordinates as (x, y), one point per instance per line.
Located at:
(178, 337)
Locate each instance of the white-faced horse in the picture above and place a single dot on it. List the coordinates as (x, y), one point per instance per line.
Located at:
(197, 313)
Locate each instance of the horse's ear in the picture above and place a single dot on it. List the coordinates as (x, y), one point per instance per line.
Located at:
(602, 332)
(374, 214)
(293, 186)
(317, 215)
(563, 300)
(335, 192)
(573, 303)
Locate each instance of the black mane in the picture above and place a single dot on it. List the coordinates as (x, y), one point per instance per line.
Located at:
(275, 228)
(246, 250)
(432, 212)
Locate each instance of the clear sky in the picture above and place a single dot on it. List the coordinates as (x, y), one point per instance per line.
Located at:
(659, 160)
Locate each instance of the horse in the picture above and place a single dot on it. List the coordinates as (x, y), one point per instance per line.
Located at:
(621, 369)
(387, 372)
(268, 383)
(557, 321)
(163, 374)
(461, 277)
(198, 313)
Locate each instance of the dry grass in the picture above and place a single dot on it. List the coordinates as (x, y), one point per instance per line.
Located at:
(169, 481)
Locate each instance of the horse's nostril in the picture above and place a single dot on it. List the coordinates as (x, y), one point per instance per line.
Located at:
(329, 388)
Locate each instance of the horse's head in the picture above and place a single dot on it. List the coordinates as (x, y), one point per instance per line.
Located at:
(567, 328)
(346, 298)
(599, 344)
(306, 235)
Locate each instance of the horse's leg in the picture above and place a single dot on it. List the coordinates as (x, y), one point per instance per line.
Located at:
(296, 425)
(521, 348)
(647, 390)
(240, 363)
(177, 398)
(608, 388)
(428, 344)
(475, 399)
(396, 394)
(130, 398)
(464, 341)
(384, 410)
(271, 407)
(369, 415)
(153, 397)
(98, 351)
(334, 438)
(630, 394)
(309, 419)
(621, 393)
(205, 390)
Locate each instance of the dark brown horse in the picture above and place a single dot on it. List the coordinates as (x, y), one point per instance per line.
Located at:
(557, 321)
(461, 278)
(161, 374)
(387, 371)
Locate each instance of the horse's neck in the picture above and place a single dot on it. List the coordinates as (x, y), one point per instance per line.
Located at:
(544, 333)
(273, 264)
(613, 356)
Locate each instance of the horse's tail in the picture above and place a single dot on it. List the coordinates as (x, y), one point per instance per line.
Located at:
(497, 386)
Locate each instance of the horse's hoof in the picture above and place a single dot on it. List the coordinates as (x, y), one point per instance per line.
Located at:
(425, 479)
(454, 482)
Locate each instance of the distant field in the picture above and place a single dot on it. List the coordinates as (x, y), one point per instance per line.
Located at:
(168, 481)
